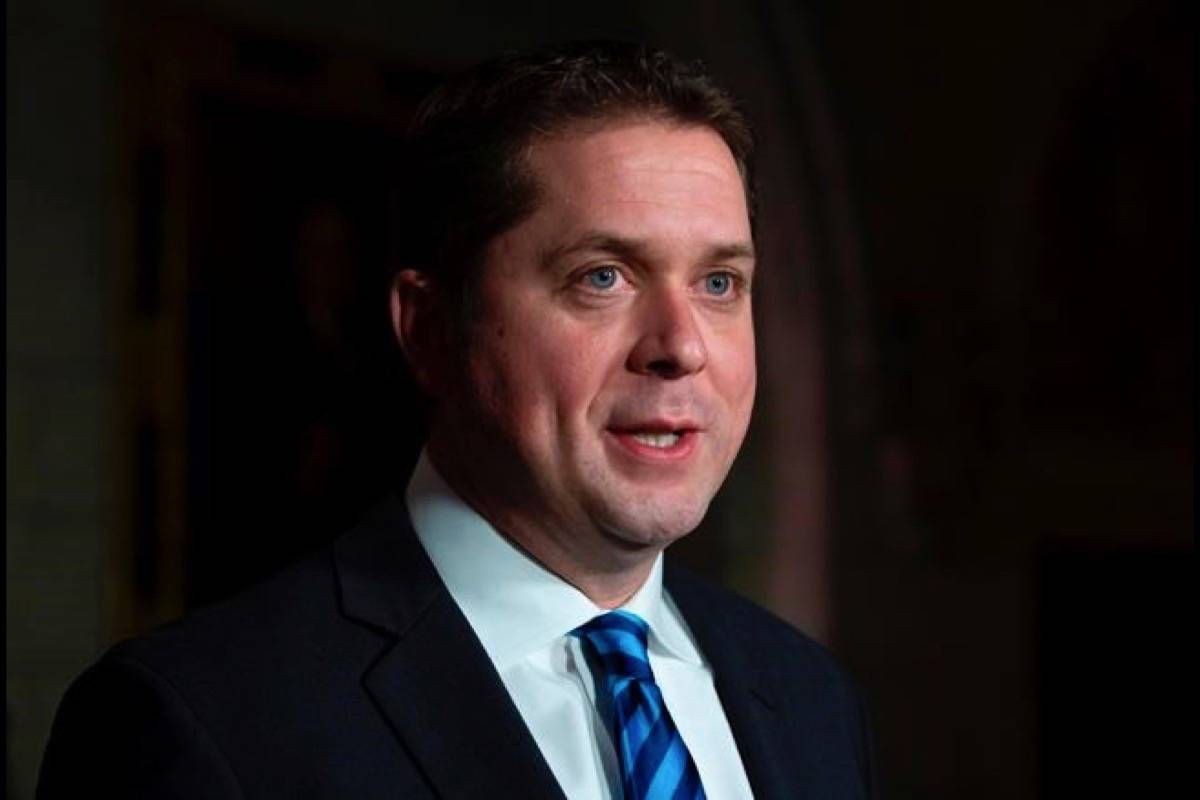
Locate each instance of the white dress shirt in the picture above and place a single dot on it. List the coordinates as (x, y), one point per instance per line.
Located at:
(523, 613)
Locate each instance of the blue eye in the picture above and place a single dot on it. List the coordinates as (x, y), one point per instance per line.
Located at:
(718, 283)
(602, 278)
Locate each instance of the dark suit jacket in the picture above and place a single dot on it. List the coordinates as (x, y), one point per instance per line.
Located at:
(354, 675)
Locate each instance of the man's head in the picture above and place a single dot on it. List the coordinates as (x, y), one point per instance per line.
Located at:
(466, 178)
(593, 399)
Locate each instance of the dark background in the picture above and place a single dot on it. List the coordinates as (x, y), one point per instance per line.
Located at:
(970, 471)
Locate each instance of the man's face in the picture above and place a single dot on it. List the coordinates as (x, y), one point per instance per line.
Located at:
(610, 364)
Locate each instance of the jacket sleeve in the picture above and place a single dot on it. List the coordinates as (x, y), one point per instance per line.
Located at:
(122, 730)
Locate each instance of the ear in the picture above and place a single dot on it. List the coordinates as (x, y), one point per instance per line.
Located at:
(419, 323)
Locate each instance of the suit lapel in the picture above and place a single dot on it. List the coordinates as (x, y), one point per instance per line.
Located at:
(434, 683)
(747, 691)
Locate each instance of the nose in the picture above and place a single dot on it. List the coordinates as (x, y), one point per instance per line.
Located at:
(670, 344)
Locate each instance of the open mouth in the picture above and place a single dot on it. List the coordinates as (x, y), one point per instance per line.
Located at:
(659, 440)
(657, 443)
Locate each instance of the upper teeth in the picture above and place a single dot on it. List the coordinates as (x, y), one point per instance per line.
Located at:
(657, 439)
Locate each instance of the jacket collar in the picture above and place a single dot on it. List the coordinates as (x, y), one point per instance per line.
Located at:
(436, 686)
(433, 682)
(749, 689)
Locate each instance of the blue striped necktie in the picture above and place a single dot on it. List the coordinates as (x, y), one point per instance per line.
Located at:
(655, 763)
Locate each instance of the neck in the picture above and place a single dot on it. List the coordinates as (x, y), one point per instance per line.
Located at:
(607, 570)
(606, 591)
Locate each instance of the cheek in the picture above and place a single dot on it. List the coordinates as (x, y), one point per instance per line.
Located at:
(734, 365)
(574, 366)
(536, 377)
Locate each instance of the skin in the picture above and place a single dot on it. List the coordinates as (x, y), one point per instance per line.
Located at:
(621, 305)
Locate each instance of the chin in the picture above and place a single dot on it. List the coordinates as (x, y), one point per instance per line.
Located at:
(654, 521)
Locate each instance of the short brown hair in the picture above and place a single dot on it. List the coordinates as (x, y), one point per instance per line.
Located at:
(465, 180)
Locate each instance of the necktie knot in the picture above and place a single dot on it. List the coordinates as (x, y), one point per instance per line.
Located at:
(617, 640)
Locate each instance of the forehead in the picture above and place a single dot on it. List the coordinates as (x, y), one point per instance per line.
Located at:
(649, 179)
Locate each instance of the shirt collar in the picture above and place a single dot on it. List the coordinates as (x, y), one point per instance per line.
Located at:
(513, 603)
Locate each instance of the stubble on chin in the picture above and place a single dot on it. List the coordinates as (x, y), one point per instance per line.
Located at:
(637, 519)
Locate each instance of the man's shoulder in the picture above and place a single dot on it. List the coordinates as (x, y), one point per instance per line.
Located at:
(730, 609)
(725, 620)
(816, 726)
(278, 612)
(236, 696)
(239, 669)
(299, 612)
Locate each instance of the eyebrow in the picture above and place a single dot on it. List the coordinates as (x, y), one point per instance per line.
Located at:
(624, 247)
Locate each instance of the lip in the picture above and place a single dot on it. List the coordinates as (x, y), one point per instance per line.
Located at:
(624, 437)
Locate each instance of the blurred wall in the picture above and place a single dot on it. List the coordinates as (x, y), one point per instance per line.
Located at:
(1024, 181)
(59, 159)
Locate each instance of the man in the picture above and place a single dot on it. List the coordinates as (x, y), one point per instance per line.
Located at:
(575, 300)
